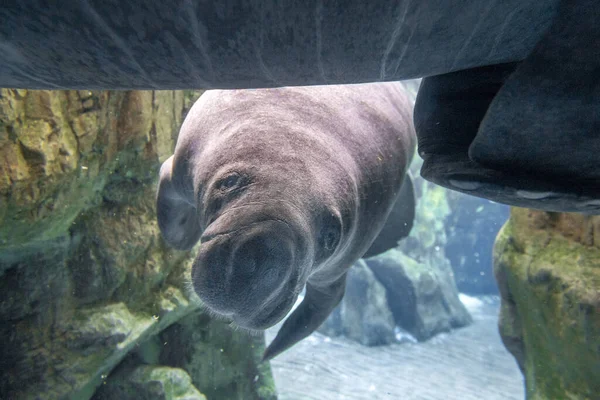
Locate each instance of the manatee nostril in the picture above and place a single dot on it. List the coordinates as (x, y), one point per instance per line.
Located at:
(244, 272)
(261, 257)
(245, 262)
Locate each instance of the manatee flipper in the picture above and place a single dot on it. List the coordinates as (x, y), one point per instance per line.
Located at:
(318, 303)
(399, 222)
(544, 122)
(176, 214)
(450, 107)
(501, 132)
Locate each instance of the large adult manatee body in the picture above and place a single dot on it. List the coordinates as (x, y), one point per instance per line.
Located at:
(169, 44)
(522, 133)
(286, 188)
(508, 109)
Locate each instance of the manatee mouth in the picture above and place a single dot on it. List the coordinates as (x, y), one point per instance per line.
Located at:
(249, 274)
(267, 317)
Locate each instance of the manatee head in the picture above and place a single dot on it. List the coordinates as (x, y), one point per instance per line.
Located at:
(264, 235)
(267, 220)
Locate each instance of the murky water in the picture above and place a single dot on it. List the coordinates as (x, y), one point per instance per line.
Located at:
(469, 363)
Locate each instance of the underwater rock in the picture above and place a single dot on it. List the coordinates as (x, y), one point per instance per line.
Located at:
(74, 354)
(85, 278)
(422, 297)
(151, 382)
(363, 314)
(417, 274)
(223, 363)
(548, 271)
(59, 148)
(471, 229)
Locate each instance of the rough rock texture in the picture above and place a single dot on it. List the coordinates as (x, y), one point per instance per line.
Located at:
(85, 278)
(363, 315)
(150, 382)
(223, 363)
(471, 229)
(548, 270)
(422, 297)
(59, 149)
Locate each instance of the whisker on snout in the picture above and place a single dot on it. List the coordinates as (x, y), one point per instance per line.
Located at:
(251, 332)
(195, 299)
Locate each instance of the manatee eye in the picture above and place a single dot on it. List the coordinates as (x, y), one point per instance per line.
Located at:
(330, 240)
(229, 182)
(330, 234)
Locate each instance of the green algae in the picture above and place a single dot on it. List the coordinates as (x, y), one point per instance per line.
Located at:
(553, 307)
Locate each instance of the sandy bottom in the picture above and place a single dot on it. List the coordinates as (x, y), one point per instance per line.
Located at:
(469, 363)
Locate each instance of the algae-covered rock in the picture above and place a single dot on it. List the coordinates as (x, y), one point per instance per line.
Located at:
(548, 270)
(223, 363)
(58, 149)
(427, 239)
(150, 382)
(423, 298)
(81, 347)
(363, 314)
(85, 278)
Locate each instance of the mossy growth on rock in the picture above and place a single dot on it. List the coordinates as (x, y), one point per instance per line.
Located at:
(58, 150)
(150, 382)
(85, 278)
(548, 270)
(223, 363)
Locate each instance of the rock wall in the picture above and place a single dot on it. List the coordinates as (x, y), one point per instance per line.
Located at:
(548, 271)
(60, 149)
(364, 314)
(88, 290)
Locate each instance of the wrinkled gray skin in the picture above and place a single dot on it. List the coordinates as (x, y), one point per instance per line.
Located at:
(285, 188)
(169, 44)
(528, 131)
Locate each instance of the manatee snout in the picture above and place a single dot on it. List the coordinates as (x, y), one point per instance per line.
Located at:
(248, 274)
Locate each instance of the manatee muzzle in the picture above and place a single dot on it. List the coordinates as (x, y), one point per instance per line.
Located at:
(248, 274)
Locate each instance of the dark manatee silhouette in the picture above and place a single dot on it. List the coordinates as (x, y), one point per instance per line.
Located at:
(508, 109)
(287, 188)
(259, 43)
(526, 133)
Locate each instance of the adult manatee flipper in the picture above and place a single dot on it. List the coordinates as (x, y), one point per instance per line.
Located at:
(318, 303)
(176, 213)
(449, 109)
(399, 222)
(544, 122)
(527, 137)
